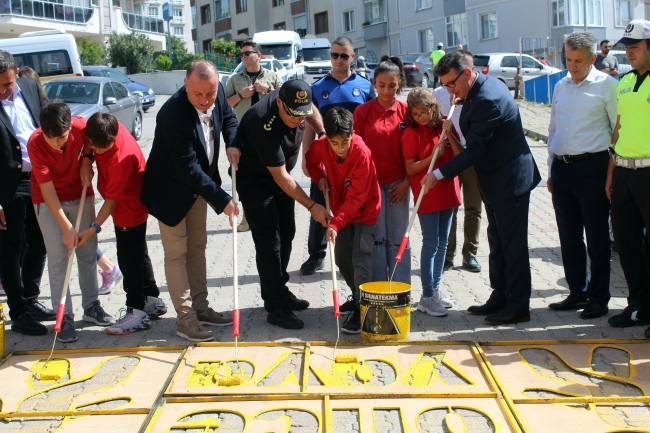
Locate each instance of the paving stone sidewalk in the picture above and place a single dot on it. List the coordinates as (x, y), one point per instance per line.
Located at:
(463, 287)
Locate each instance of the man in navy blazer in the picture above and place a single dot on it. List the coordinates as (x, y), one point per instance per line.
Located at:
(19, 230)
(506, 173)
(180, 181)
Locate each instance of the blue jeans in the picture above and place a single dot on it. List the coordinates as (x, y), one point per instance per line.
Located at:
(435, 232)
(390, 228)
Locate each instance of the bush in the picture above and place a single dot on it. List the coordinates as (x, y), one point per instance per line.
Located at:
(225, 48)
(91, 52)
(163, 62)
(181, 58)
(133, 50)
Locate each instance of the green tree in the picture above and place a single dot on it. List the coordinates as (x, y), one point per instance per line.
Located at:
(181, 58)
(91, 52)
(163, 62)
(133, 50)
(225, 48)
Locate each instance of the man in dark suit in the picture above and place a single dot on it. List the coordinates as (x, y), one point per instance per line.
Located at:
(180, 181)
(506, 173)
(19, 117)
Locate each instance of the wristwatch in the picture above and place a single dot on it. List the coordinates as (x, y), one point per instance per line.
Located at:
(90, 156)
(240, 96)
(320, 134)
(97, 227)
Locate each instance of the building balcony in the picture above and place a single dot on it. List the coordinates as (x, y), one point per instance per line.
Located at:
(177, 2)
(143, 23)
(178, 20)
(375, 30)
(48, 10)
(180, 37)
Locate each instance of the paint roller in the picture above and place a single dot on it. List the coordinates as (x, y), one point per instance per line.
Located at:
(238, 377)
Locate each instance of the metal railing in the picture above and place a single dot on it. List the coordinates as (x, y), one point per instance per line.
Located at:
(142, 22)
(47, 10)
(223, 63)
(544, 49)
(178, 20)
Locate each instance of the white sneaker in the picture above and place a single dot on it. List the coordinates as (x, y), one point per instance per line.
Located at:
(154, 307)
(110, 279)
(432, 307)
(444, 300)
(134, 320)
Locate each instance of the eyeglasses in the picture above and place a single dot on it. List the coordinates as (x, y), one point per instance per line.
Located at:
(421, 115)
(286, 110)
(337, 55)
(452, 84)
(247, 53)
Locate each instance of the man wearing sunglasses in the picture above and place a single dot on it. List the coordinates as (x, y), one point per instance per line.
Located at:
(339, 88)
(506, 173)
(269, 137)
(606, 62)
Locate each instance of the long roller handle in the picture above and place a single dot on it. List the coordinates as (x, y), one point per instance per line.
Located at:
(335, 292)
(405, 239)
(235, 311)
(60, 312)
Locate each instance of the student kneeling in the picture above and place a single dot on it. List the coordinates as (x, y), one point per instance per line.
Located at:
(342, 166)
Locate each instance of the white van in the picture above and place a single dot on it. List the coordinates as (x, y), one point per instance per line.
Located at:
(284, 46)
(51, 53)
(317, 58)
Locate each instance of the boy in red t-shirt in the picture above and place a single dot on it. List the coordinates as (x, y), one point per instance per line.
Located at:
(120, 167)
(55, 150)
(355, 201)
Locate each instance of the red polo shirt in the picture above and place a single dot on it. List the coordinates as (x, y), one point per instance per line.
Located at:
(59, 166)
(119, 178)
(418, 144)
(382, 131)
(355, 195)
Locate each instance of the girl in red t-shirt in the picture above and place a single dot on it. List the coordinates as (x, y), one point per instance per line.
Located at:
(419, 142)
(380, 123)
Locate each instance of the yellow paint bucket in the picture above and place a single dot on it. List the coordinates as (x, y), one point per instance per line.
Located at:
(385, 311)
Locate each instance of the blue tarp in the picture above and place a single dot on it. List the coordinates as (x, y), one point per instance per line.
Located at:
(540, 89)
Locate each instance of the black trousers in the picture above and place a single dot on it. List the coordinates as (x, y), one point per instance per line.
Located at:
(270, 215)
(23, 236)
(630, 215)
(135, 264)
(507, 234)
(581, 206)
(316, 242)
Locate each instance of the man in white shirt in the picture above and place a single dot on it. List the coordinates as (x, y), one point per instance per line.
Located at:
(583, 118)
(471, 195)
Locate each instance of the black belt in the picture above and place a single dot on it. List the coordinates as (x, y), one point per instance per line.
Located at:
(573, 158)
(25, 174)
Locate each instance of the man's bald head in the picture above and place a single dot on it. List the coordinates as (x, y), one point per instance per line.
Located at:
(204, 69)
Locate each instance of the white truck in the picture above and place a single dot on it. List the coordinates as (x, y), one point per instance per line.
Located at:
(284, 46)
(317, 58)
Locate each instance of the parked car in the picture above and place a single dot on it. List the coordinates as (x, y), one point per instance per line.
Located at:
(623, 63)
(89, 95)
(504, 66)
(418, 69)
(145, 92)
(271, 64)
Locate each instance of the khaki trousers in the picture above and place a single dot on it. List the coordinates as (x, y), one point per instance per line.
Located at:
(472, 225)
(185, 266)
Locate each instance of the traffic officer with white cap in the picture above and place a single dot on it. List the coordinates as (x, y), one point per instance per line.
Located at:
(628, 177)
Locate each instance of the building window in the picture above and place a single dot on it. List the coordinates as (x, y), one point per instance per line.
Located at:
(456, 29)
(205, 14)
(623, 12)
(559, 13)
(375, 11)
(177, 12)
(193, 9)
(280, 26)
(422, 4)
(300, 25)
(242, 31)
(349, 25)
(594, 12)
(426, 40)
(242, 5)
(137, 9)
(207, 45)
(489, 27)
(221, 9)
(320, 22)
(153, 11)
(178, 31)
(278, 3)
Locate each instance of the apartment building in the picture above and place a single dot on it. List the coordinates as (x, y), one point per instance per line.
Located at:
(95, 18)
(240, 19)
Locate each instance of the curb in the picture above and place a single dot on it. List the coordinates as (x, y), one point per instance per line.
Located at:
(535, 135)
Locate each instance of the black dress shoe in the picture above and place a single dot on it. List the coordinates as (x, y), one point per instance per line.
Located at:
(297, 304)
(647, 333)
(508, 316)
(313, 264)
(471, 264)
(41, 312)
(631, 316)
(569, 303)
(594, 311)
(27, 325)
(284, 319)
(447, 265)
(485, 309)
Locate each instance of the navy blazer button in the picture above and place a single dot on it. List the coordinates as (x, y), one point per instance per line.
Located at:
(20, 166)
(18, 147)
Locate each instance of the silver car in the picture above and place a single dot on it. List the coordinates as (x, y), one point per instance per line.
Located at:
(89, 95)
(623, 63)
(504, 66)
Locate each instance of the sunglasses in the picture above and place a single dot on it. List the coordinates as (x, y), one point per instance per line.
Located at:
(452, 84)
(337, 55)
(247, 53)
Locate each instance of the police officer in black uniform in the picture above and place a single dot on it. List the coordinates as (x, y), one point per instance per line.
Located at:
(269, 138)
